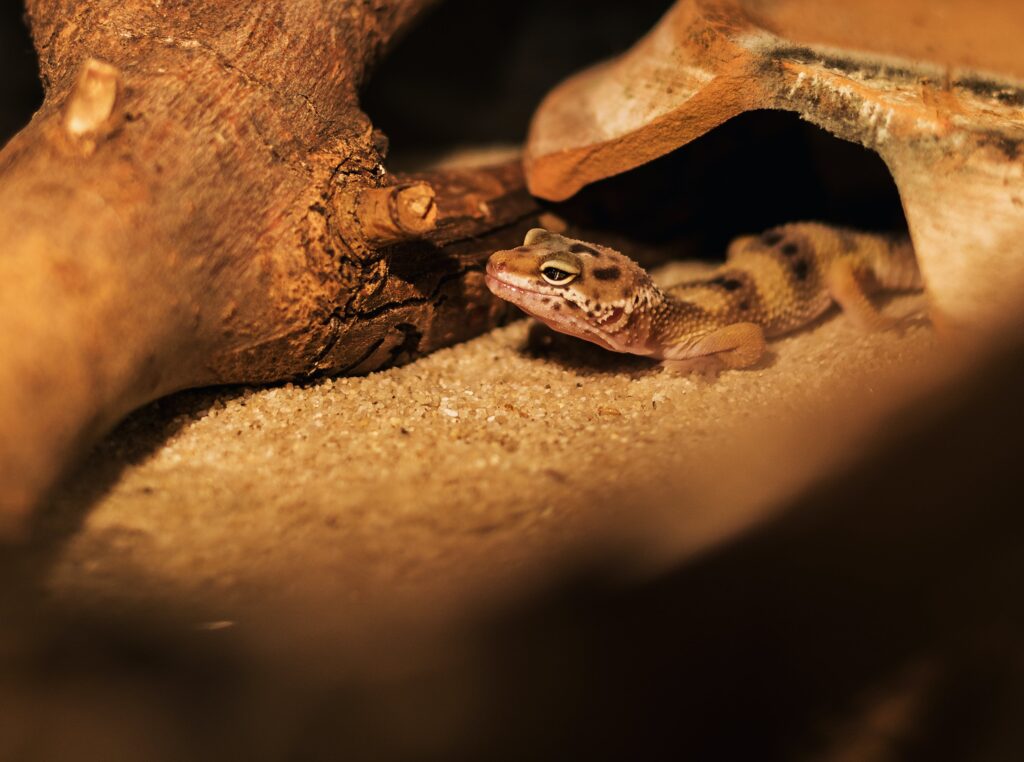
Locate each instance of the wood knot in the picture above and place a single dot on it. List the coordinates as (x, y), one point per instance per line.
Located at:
(91, 112)
(397, 213)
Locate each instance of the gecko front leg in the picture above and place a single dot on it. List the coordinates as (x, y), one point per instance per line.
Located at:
(739, 345)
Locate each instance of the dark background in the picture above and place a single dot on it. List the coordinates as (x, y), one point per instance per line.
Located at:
(20, 91)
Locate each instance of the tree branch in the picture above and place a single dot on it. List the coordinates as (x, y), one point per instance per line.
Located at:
(200, 200)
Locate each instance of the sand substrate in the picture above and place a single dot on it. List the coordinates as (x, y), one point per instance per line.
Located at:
(519, 546)
(462, 479)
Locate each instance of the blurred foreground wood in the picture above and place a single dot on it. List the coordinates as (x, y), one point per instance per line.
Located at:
(199, 201)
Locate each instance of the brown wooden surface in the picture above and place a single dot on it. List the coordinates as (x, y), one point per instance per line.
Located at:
(183, 211)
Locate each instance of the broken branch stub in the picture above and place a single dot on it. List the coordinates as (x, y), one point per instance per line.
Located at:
(397, 213)
(90, 113)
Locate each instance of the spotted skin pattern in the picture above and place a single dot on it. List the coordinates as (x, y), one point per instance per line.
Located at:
(770, 284)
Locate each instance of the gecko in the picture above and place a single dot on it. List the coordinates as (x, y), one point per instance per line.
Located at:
(771, 284)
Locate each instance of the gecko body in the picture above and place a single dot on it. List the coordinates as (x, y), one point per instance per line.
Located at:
(770, 284)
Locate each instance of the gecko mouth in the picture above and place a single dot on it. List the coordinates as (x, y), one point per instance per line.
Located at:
(507, 290)
(523, 298)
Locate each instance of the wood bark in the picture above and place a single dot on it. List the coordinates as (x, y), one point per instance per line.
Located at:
(200, 200)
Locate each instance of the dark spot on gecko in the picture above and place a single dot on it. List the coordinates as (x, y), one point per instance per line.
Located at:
(729, 284)
(800, 269)
(557, 307)
(771, 238)
(571, 305)
(607, 273)
(790, 249)
(579, 248)
(744, 306)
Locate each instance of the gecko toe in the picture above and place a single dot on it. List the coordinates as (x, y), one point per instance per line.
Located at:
(705, 368)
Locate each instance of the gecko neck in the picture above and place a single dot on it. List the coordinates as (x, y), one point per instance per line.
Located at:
(666, 321)
(651, 323)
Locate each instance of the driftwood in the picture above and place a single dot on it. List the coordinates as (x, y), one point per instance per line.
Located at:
(937, 89)
(200, 200)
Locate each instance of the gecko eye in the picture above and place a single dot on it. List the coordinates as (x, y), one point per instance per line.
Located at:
(558, 273)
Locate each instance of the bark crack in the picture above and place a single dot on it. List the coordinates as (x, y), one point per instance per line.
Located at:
(337, 320)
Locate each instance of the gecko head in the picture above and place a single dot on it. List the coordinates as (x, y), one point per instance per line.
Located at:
(579, 288)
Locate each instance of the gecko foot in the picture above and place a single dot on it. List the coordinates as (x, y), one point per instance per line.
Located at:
(877, 322)
(739, 345)
(903, 323)
(705, 368)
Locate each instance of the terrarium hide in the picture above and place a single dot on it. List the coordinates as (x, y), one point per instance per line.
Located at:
(933, 87)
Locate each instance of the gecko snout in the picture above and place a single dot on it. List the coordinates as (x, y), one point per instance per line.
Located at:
(497, 263)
